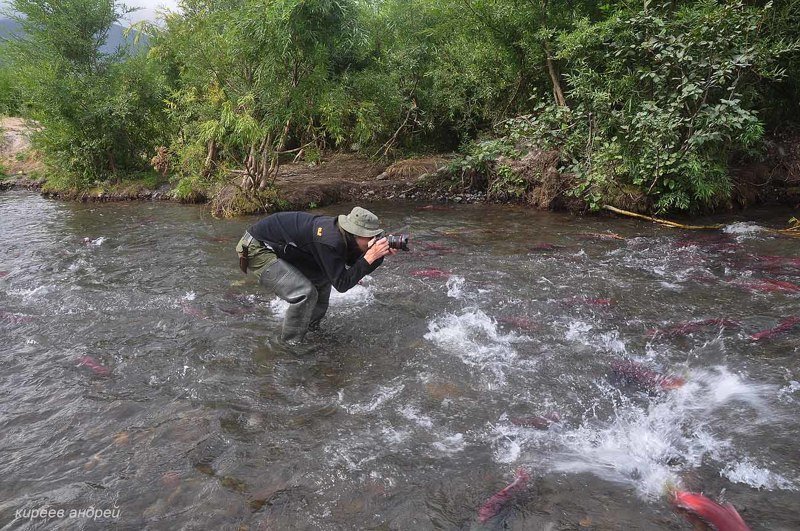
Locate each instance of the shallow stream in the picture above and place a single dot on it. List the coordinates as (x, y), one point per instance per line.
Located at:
(140, 374)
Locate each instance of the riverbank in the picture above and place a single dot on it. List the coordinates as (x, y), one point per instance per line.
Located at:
(533, 179)
(339, 178)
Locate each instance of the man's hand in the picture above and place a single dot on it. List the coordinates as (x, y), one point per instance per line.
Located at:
(378, 249)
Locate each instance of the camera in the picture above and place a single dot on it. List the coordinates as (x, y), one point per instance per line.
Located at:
(398, 241)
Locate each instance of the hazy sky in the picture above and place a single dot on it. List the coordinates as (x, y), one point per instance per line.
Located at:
(147, 11)
(148, 8)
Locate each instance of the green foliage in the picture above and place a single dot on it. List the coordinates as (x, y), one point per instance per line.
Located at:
(664, 98)
(256, 79)
(188, 190)
(481, 156)
(660, 100)
(651, 98)
(10, 91)
(101, 114)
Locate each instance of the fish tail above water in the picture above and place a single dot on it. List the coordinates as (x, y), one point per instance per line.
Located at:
(492, 506)
(719, 517)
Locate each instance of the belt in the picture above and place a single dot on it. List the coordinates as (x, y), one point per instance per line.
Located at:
(248, 239)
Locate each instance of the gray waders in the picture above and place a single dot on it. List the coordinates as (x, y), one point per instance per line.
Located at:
(308, 302)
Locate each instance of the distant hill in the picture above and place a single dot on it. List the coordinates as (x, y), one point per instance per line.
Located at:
(116, 36)
(6, 26)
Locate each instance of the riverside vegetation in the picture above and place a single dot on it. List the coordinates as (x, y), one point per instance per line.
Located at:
(643, 105)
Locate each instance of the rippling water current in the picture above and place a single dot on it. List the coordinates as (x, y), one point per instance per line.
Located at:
(140, 374)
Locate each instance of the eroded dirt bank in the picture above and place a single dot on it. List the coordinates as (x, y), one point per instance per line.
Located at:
(346, 177)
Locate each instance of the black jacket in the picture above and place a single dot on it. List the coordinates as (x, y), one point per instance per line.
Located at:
(315, 246)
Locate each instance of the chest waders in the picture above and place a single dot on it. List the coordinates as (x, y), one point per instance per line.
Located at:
(308, 302)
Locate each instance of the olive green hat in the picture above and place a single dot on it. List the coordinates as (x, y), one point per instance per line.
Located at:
(360, 222)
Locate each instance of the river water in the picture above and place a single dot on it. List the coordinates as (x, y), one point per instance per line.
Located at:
(141, 375)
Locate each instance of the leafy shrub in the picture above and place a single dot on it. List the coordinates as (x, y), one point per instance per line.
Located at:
(101, 113)
(662, 99)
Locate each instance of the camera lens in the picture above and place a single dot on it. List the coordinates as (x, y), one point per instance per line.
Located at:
(398, 241)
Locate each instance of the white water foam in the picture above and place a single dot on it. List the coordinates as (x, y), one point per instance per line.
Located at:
(634, 447)
(474, 338)
(357, 450)
(413, 414)
(786, 392)
(379, 398)
(278, 307)
(28, 295)
(648, 446)
(717, 386)
(581, 332)
(507, 447)
(451, 445)
(357, 297)
(743, 228)
(455, 287)
(576, 331)
(759, 478)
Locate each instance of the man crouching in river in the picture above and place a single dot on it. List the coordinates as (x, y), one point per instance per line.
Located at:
(299, 256)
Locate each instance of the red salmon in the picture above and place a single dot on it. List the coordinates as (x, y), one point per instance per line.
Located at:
(94, 365)
(768, 285)
(681, 329)
(720, 517)
(600, 236)
(778, 260)
(430, 273)
(589, 301)
(435, 207)
(637, 374)
(493, 505)
(784, 326)
(544, 246)
(189, 309)
(15, 318)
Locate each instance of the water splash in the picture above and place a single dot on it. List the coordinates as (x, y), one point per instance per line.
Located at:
(475, 339)
(379, 398)
(506, 442)
(743, 228)
(355, 298)
(455, 287)
(748, 473)
(278, 307)
(452, 444)
(649, 446)
(583, 332)
(413, 414)
(359, 296)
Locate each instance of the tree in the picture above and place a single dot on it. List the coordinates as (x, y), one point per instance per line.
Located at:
(101, 113)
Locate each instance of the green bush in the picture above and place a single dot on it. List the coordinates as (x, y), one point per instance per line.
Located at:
(662, 99)
(10, 93)
(101, 114)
